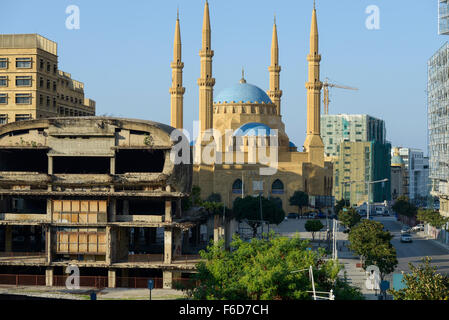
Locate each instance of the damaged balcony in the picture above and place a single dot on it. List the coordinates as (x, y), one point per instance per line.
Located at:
(141, 247)
(17, 172)
(23, 210)
(22, 245)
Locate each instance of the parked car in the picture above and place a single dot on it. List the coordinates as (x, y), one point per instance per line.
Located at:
(386, 213)
(406, 237)
(418, 227)
(310, 215)
(293, 215)
(405, 229)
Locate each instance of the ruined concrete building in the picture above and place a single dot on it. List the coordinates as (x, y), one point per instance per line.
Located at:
(97, 192)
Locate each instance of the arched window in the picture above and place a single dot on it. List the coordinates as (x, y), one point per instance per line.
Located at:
(277, 187)
(237, 186)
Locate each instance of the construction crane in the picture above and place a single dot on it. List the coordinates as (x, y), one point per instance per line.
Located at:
(326, 86)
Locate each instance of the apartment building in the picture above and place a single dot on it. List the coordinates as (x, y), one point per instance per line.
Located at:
(31, 84)
(438, 125)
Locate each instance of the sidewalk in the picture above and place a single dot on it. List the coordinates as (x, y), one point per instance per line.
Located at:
(355, 276)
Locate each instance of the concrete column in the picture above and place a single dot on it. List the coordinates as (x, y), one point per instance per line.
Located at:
(50, 165)
(49, 210)
(8, 238)
(108, 245)
(112, 278)
(48, 242)
(168, 240)
(168, 278)
(49, 277)
(168, 217)
(112, 166)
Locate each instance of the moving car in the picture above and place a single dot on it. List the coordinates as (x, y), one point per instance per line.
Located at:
(406, 237)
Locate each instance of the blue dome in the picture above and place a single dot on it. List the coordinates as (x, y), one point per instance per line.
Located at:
(253, 129)
(292, 145)
(245, 92)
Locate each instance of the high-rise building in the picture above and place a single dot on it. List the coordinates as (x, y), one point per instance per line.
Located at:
(31, 84)
(438, 125)
(443, 17)
(350, 127)
(361, 154)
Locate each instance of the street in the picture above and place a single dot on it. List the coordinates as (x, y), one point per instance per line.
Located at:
(414, 252)
(406, 252)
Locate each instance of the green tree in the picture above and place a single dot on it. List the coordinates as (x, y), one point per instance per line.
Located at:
(340, 205)
(372, 243)
(434, 218)
(384, 257)
(403, 207)
(313, 226)
(299, 199)
(266, 270)
(349, 217)
(249, 208)
(423, 283)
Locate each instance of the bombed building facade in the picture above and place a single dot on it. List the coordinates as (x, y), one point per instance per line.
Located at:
(99, 193)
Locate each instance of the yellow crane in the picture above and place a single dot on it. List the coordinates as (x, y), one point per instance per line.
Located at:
(326, 86)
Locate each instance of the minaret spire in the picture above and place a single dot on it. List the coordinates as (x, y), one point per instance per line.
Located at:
(314, 144)
(206, 82)
(176, 89)
(275, 93)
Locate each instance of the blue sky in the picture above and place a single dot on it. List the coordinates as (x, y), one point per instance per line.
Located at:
(122, 52)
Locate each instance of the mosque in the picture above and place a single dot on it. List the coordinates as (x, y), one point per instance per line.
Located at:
(252, 114)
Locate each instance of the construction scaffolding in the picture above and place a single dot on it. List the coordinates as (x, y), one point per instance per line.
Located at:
(438, 117)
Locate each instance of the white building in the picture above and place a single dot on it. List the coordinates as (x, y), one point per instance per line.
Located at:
(417, 173)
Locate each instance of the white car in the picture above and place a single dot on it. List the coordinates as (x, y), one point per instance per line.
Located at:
(405, 229)
(419, 227)
(405, 237)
